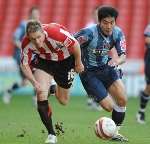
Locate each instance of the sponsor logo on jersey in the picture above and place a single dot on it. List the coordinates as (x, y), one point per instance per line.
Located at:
(67, 42)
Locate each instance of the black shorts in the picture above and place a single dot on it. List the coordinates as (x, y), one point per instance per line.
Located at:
(62, 71)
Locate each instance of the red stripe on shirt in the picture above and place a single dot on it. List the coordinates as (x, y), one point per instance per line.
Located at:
(29, 56)
(50, 46)
(48, 56)
(25, 42)
(42, 50)
(60, 55)
(71, 49)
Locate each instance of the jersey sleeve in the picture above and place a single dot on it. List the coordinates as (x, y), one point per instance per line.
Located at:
(26, 52)
(68, 40)
(120, 42)
(147, 31)
(60, 34)
(83, 37)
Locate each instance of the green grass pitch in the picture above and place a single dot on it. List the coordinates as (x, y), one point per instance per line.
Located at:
(20, 123)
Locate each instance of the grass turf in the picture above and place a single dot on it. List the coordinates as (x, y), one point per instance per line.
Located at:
(20, 123)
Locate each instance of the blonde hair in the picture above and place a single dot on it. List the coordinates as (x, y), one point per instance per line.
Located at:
(33, 26)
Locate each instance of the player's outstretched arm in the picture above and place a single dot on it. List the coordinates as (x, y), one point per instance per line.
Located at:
(28, 73)
(77, 54)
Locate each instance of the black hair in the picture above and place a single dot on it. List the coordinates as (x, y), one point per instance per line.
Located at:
(106, 11)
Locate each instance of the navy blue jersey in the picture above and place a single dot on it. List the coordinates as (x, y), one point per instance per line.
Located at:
(95, 46)
(20, 31)
(147, 31)
(147, 34)
(18, 36)
(147, 56)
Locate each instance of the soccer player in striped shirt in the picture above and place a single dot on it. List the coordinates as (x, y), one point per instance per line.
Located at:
(52, 50)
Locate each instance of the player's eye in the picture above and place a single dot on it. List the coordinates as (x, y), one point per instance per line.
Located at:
(33, 39)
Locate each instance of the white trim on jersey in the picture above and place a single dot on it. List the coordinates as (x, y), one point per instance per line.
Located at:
(25, 53)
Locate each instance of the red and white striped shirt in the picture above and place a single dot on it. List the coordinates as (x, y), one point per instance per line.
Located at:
(57, 44)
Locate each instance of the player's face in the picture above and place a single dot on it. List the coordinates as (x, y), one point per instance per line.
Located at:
(35, 14)
(37, 38)
(107, 24)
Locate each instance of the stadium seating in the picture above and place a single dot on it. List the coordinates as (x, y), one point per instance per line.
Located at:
(134, 15)
(11, 17)
(139, 21)
(125, 16)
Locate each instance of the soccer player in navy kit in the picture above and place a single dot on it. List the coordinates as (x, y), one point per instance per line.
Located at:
(101, 74)
(145, 94)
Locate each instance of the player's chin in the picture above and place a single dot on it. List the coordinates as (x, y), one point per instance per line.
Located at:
(108, 32)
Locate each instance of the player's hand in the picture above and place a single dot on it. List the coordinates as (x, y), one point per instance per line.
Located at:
(79, 67)
(112, 63)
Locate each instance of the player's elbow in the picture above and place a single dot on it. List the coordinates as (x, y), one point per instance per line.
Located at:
(21, 66)
(24, 68)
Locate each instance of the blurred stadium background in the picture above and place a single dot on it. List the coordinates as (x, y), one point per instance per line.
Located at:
(75, 14)
(19, 122)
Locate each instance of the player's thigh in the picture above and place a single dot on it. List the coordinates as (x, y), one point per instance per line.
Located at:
(64, 72)
(93, 86)
(117, 91)
(64, 82)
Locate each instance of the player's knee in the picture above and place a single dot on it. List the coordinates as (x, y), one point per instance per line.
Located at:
(42, 95)
(108, 108)
(147, 90)
(122, 101)
(107, 104)
(63, 101)
(62, 98)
